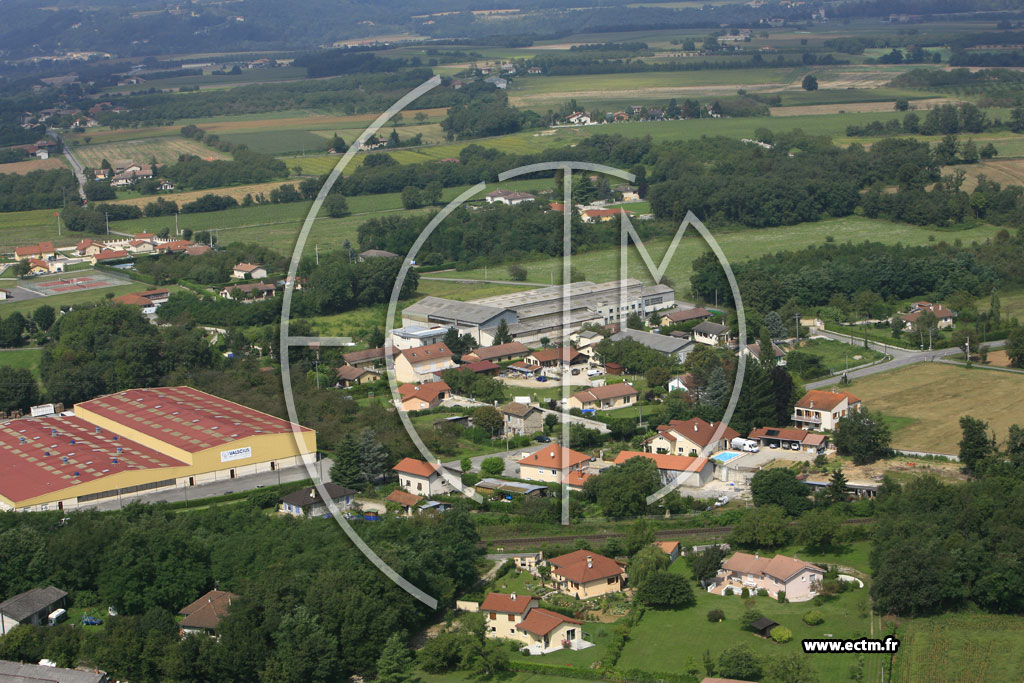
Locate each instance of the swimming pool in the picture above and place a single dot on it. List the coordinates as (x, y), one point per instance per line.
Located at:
(725, 456)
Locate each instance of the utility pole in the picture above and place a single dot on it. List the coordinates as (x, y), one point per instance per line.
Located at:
(796, 319)
(176, 230)
(968, 359)
(58, 223)
(316, 248)
(106, 216)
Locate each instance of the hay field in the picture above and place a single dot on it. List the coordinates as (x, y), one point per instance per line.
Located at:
(165, 150)
(23, 167)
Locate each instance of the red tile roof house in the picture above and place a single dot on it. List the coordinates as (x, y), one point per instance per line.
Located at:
(349, 375)
(89, 247)
(422, 363)
(679, 469)
(780, 573)
(518, 617)
(577, 479)
(43, 250)
(944, 315)
(405, 500)
(422, 396)
(146, 305)
(203, 616)
(585, 574)
(754, 351)
(367, 357)
(553, 463)
(820, 410)
(110, 255)
(608, 397)
(498, 353)
(670, 548)
(425, 478)
(248, 270)
(689, 437)
(566, 355)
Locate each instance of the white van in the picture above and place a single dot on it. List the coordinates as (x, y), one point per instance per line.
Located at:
(57, 616)
(745, 445)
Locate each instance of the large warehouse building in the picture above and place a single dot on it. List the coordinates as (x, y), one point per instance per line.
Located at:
(137, 441)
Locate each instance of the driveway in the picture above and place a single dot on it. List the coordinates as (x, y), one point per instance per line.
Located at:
(511, 458)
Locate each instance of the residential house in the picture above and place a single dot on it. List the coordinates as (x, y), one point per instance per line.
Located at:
(586, 342)
(578, 118)
(553, 463)
(422, 363)
(528, 561)
(599, 215)
(412, 336)
(576, 480)
(31, 607)
(249, 270)
(497, 353)
(534, 70)
(497, 82)
(89, 247)
(308, 502)
(425, 478)
(20, 672)
(681, 383)
(670, 548)
(820, 410)
(691, 437)
(503, 612)
(585, 574)
(629, 192)
(712, 334)
(680, 470)
(508, 197)
(558, 357)
(203, 616)
(199, 250)
(367, 358)
(607, 397)
(406, 501)
(941, 313)
(146, 305)
(754, 351)
(422, 396)
(682, 315)
(779, 573)
(175, 246)
(43, 250)
(790, 438)
(521, 418)
(675, 348)
(141, 246)
(40, 267)
(249, 292)
(109, 255)
(350, 375)
(128, 177)
(549, 631)
(375, 253)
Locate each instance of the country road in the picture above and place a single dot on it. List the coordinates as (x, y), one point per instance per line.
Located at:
(900, 358)
(75, 166)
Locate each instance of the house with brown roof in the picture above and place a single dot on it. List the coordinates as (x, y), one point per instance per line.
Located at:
(422, 363)
(941, 313)
(349, 375)
(43, 250)
(109, 255)
(422, 396)
(599, 215)
(680, 470)
(367, 357)
(552, 463)
(406, 501)
(480, 367)
(671, 548)
(519, 618)
(577, 479)
(607, 397)
(585, 574)
(175, 246)
(521, 418)
(503, 612)
(796, 578)
(147, 306)
(141, 246)
(689, 437)
(820, 410)
(203, 616)
(754, 351)
(560, 356)
(89, 247)
(249, 292)
(40, 267)
(308, 502)
(426, 478)
(685, 315)
(248, 270)
(497, 353)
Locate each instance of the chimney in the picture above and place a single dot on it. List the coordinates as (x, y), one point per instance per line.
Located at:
(513, 596)
(757, 557)
(695, 427)
(812, 404)
(312, 492)
(590, 561)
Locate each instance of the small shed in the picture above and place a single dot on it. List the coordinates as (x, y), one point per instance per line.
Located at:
(763, 627)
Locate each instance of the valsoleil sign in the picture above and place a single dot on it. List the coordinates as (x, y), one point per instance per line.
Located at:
(236, 454)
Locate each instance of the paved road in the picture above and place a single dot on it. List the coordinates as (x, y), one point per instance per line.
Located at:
(900, 358)
(214, 488)
(75, 166)
(511, 458)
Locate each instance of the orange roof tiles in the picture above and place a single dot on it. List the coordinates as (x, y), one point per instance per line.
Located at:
(556, 457)
(583, 566)
(815, 399)
(417, 468)
(541, 621)
(674, 463)
(507, 603)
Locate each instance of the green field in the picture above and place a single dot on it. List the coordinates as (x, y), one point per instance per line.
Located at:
(954, 648)
(738, 244)
(655, 643)
(165, 150)
(21, 358)
(837, 356)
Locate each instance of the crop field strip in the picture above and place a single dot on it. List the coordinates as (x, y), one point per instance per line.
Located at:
(165, 150)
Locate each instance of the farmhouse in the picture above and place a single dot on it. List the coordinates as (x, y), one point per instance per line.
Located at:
(31, 607)
(203, 616)
(508, 197)
(308, 502)
(585, 574)
(422, 363)
(822, 409)
(607, 397)
(521, 418)
(779, 573)
(680, 470)
(425, 478)
(140, 440)
(552, 463)
(689, 437)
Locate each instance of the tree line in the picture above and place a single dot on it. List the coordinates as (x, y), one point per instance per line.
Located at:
(37, 190)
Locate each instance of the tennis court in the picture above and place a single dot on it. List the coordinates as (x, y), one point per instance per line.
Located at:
(71, 283)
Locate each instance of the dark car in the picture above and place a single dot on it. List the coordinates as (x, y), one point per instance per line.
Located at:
(91, 621)
(542, 439)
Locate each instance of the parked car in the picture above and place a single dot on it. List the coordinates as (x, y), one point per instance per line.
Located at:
(594, 372)
(540, 438)
(795, 445)
(575, 371)
(91, 621)
(542, 378)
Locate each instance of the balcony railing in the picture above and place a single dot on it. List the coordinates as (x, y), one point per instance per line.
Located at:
(797, 417)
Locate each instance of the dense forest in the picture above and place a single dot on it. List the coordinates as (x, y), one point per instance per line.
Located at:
(37, 190)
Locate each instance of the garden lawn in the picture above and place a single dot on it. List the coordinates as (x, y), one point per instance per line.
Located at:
(834, 355)
(667, 640)
(935, 396)
(21, 358)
